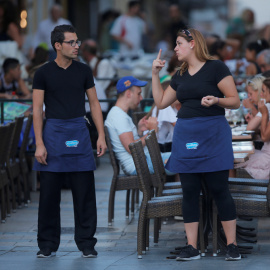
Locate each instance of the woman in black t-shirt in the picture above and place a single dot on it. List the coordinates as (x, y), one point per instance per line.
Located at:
(202, 142)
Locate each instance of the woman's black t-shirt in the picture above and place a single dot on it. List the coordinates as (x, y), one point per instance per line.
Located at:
(191, 89)
(64, 95)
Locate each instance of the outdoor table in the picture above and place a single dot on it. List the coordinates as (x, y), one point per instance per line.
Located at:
(243, 147)
(239, 133)
(240, 157)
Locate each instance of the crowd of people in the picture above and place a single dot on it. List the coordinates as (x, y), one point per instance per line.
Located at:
(187, 113)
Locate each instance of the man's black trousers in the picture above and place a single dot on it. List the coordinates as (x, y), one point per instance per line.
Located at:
(82, 185)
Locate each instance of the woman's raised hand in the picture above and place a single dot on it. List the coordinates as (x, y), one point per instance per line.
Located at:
(158, 64)
(262, 108)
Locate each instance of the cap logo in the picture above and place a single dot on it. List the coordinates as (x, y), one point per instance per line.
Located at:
(127, 83)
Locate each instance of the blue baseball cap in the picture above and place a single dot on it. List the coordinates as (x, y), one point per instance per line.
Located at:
(127, 82)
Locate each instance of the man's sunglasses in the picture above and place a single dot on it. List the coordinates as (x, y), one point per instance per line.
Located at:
(73, 43)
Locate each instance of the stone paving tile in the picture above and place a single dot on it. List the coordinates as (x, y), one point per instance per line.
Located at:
(7, 244)
(116, 244)
(26, 244)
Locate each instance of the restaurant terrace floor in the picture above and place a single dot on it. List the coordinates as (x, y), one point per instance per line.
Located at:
(117, 243)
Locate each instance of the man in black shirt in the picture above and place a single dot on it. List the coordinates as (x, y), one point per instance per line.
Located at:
(64, 147)
(176, 23)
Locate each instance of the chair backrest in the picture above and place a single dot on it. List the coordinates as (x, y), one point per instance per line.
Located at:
(5, 135)
(26, 136)
(141, 166)
(137, 116)
(155, 154)
(12, 151)
(113, 159)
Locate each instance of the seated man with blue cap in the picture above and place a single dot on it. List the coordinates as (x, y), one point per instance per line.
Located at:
(121, 128)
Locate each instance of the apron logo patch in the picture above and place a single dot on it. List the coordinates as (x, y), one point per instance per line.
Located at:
(192, 145)
(73, 143)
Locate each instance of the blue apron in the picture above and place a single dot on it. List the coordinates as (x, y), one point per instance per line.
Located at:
(68, 145)
(201, 144)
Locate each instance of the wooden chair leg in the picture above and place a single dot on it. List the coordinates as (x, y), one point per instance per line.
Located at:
(14, 204)
(3, 206)
(26, 190)
(214, 229)
(111, 205)
(137, 196)
(147, 228)
(7, 200)
(157, 224)
(201, 232)
(19, 191)
(141, 233)
(132, 201)
(28, 187)
(127, 203)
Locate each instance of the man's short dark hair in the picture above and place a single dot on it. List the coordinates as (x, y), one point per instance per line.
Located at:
(57, 34)
(90, 49)
(133, 3)
(10, 63)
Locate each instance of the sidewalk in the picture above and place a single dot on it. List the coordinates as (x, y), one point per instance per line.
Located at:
(116, 244)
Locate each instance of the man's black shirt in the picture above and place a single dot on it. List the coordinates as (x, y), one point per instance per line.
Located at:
(64, 95)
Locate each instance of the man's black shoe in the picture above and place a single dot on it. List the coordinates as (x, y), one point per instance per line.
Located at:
(46, 253)
(89, 253)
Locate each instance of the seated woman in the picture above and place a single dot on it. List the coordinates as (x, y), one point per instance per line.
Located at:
(166, 121)
(224, 49)
(254, 87)
(172, 68)
(41, 56)
(252, 50)
(258, 165)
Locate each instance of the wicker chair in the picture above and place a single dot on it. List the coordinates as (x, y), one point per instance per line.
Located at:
(23, 161)
(160, 175)
(163, 187)
(13, 166)
(119, 182)
(160, 184)
(5, 135)
(252, 199)
(157, 207)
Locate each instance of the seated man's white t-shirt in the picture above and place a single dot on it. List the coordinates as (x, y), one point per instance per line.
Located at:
(119, 122)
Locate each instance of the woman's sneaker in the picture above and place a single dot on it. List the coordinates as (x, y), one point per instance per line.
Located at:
(188, 253)
(46, 253)
(232, 253)
(89, 253)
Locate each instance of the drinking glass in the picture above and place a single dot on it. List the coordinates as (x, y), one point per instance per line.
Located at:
(235, 116)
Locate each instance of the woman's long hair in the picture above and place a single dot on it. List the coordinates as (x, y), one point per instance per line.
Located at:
(266, 82)
(200, 47)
